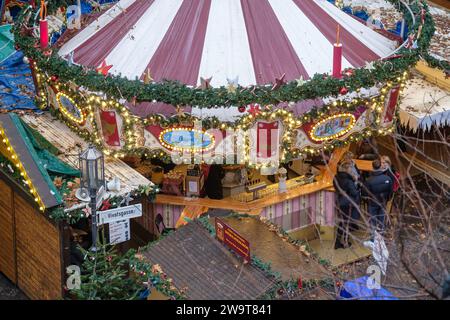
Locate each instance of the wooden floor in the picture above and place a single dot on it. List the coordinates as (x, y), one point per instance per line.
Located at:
(58, 134)
(325, 249)
(283, 256)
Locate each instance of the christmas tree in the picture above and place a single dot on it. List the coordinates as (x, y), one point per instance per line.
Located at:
(105, 276)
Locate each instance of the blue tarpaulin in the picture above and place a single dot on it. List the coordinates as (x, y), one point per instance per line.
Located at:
(362, 14)
(357, 289)
(16, 84)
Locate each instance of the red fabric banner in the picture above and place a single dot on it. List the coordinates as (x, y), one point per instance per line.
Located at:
(267, 142)
(110, 128)
(391, 104)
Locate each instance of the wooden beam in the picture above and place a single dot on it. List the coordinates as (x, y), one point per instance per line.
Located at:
(433, 75)
(436, 173)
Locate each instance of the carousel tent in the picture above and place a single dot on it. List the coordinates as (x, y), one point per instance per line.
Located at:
(240, 41)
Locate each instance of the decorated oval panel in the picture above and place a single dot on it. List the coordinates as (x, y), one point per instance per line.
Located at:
(333, 127)
(186, 139)
(69, 108)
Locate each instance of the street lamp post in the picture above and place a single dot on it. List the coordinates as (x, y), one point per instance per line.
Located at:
(92, 167)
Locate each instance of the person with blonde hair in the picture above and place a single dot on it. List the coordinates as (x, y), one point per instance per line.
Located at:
(386, 166)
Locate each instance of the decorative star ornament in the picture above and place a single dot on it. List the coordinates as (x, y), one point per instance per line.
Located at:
(254, 109)
(180, 111)
(70, 60)
(205, 83)
(300, 81)
(147, 76)
(126, 199)
(232, 84)
(279, 82)
(370, 65)
(104, 68)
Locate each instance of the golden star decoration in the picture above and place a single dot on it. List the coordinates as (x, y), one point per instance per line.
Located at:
(232, 85)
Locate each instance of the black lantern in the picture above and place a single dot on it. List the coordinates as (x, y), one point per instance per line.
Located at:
(92, 167)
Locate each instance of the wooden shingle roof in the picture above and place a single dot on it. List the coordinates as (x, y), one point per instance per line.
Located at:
(200, 264)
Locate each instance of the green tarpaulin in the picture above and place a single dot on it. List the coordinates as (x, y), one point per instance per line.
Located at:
(47, 154)
(6, 42)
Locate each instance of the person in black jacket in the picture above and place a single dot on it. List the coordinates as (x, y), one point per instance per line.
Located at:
(378, 189)
(213, 184)
(348, 197)
(356, 173)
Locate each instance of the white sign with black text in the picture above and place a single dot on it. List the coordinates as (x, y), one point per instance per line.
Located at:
(113, 215)
(119, 231)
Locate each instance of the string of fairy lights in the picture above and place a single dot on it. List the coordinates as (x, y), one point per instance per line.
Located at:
(14, 158)
(132, 126)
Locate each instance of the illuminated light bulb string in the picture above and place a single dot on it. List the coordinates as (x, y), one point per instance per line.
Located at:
(132, 126)
(18, 164)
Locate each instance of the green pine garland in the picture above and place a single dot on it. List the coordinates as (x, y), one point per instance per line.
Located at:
(74, 216)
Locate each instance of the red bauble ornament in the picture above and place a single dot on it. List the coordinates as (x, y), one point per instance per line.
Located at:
(242, 109)
(343, 90)
(54, 78)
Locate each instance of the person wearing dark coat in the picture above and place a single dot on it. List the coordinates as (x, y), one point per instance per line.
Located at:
(356, 173)
(348, 198)
(213, 184)
(378, 189)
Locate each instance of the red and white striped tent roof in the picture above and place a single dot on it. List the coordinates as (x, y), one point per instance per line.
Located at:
(253, 41)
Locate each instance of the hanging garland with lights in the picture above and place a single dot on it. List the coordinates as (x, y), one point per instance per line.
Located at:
(133, 126)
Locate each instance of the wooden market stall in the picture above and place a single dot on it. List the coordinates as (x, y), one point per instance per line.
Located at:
(31, 245)
(35, 249)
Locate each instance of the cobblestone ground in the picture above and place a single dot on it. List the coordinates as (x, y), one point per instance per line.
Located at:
(9, 291)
